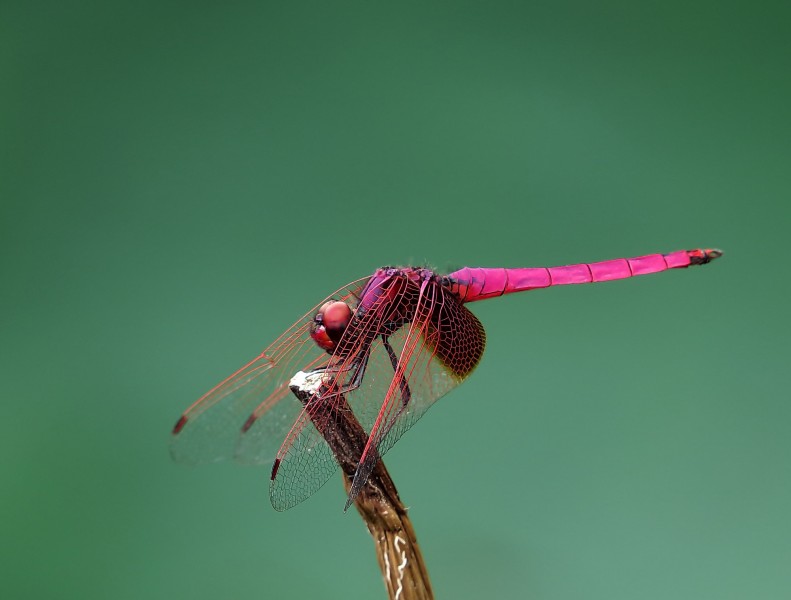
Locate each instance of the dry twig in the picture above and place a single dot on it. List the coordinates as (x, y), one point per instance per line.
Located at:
(397, 550)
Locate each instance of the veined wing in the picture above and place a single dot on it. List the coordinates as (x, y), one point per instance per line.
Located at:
(304, 461)
(436, 352)
(405, 372)
(211, 429)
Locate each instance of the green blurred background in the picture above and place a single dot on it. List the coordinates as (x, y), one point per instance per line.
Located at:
(180, 181)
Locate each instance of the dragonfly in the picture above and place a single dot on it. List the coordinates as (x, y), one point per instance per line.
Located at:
(385, 347)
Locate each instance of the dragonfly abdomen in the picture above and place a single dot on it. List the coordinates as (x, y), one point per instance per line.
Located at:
(471, 283)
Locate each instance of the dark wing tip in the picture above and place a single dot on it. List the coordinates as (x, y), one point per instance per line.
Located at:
(249, 422)
(180, 424)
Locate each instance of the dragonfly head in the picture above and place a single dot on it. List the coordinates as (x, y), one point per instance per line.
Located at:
(330, 323)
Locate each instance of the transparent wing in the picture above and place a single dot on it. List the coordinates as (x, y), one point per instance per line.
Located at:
(406, 371)
(435, 353)
(304, 461)
(307, 461)
(216, 427)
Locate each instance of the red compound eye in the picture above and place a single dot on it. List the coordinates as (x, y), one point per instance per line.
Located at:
(330, 323)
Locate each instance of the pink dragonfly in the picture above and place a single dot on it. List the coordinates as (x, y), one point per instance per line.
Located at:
(387, 346)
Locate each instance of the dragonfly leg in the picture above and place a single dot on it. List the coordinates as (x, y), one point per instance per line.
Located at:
(357, 378)
(406, 394)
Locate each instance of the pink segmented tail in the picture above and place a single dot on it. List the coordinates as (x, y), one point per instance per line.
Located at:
(473, 284)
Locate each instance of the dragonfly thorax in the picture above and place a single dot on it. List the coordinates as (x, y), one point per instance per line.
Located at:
(389, 300)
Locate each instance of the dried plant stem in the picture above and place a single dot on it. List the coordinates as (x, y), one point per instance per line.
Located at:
(397, 550)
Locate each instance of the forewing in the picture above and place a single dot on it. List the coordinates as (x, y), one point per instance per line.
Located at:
(405, 373)
(307, 461)
(304, 461)
(433, 354)
(255, 401)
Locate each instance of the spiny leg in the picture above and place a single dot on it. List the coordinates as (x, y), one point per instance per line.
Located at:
(406, 394)
(357, 379)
